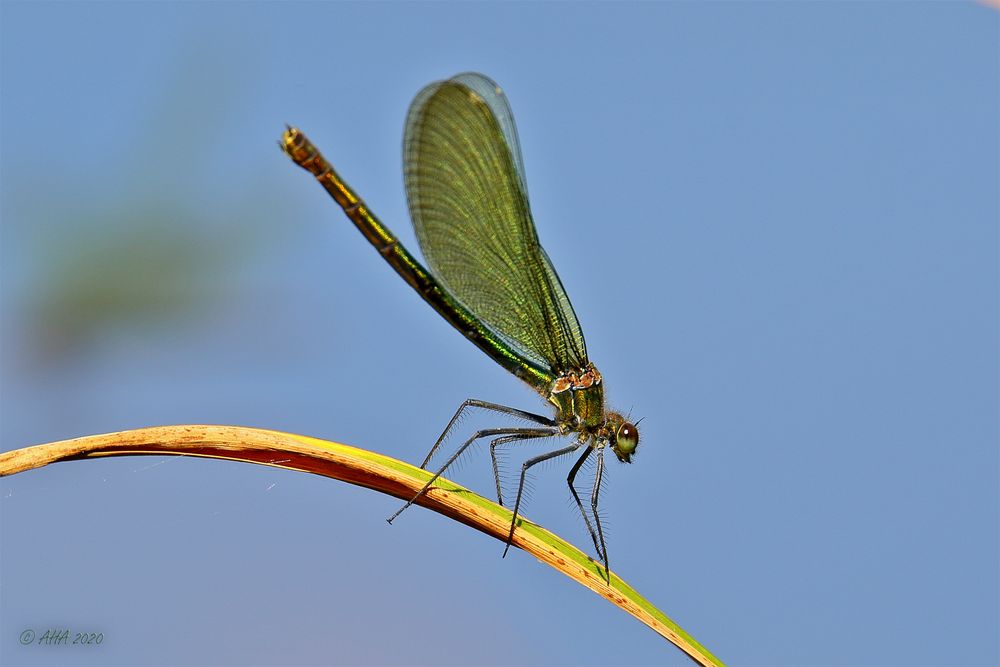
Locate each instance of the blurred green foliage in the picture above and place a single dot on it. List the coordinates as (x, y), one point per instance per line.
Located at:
(153, 243)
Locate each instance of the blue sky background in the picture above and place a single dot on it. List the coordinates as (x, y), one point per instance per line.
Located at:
(778, 223)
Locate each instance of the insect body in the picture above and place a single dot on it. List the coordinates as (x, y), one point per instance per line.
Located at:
(489, 276)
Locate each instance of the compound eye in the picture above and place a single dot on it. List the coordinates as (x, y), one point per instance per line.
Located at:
(626, 441)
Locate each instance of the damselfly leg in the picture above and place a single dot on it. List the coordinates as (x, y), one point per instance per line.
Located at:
(483, 405)
(547, 428)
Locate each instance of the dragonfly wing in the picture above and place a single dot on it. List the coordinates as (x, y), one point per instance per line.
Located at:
(469, 203)
(495, 99)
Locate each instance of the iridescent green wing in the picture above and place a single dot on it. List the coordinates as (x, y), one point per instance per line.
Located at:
(469, 203)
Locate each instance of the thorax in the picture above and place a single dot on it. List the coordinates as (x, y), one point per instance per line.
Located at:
(579, 399)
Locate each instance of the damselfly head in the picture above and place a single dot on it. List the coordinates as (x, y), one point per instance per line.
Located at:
(623, 436)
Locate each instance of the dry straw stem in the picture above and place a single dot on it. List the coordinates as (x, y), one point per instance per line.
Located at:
(367, 469)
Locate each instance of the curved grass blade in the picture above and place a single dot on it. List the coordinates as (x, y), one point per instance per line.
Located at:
(370, 470)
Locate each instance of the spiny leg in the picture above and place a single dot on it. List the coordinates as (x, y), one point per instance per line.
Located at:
(493, 455)
(529, 432)
(571, 479)
(485, 405)
(598, 475)
(520, 487)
